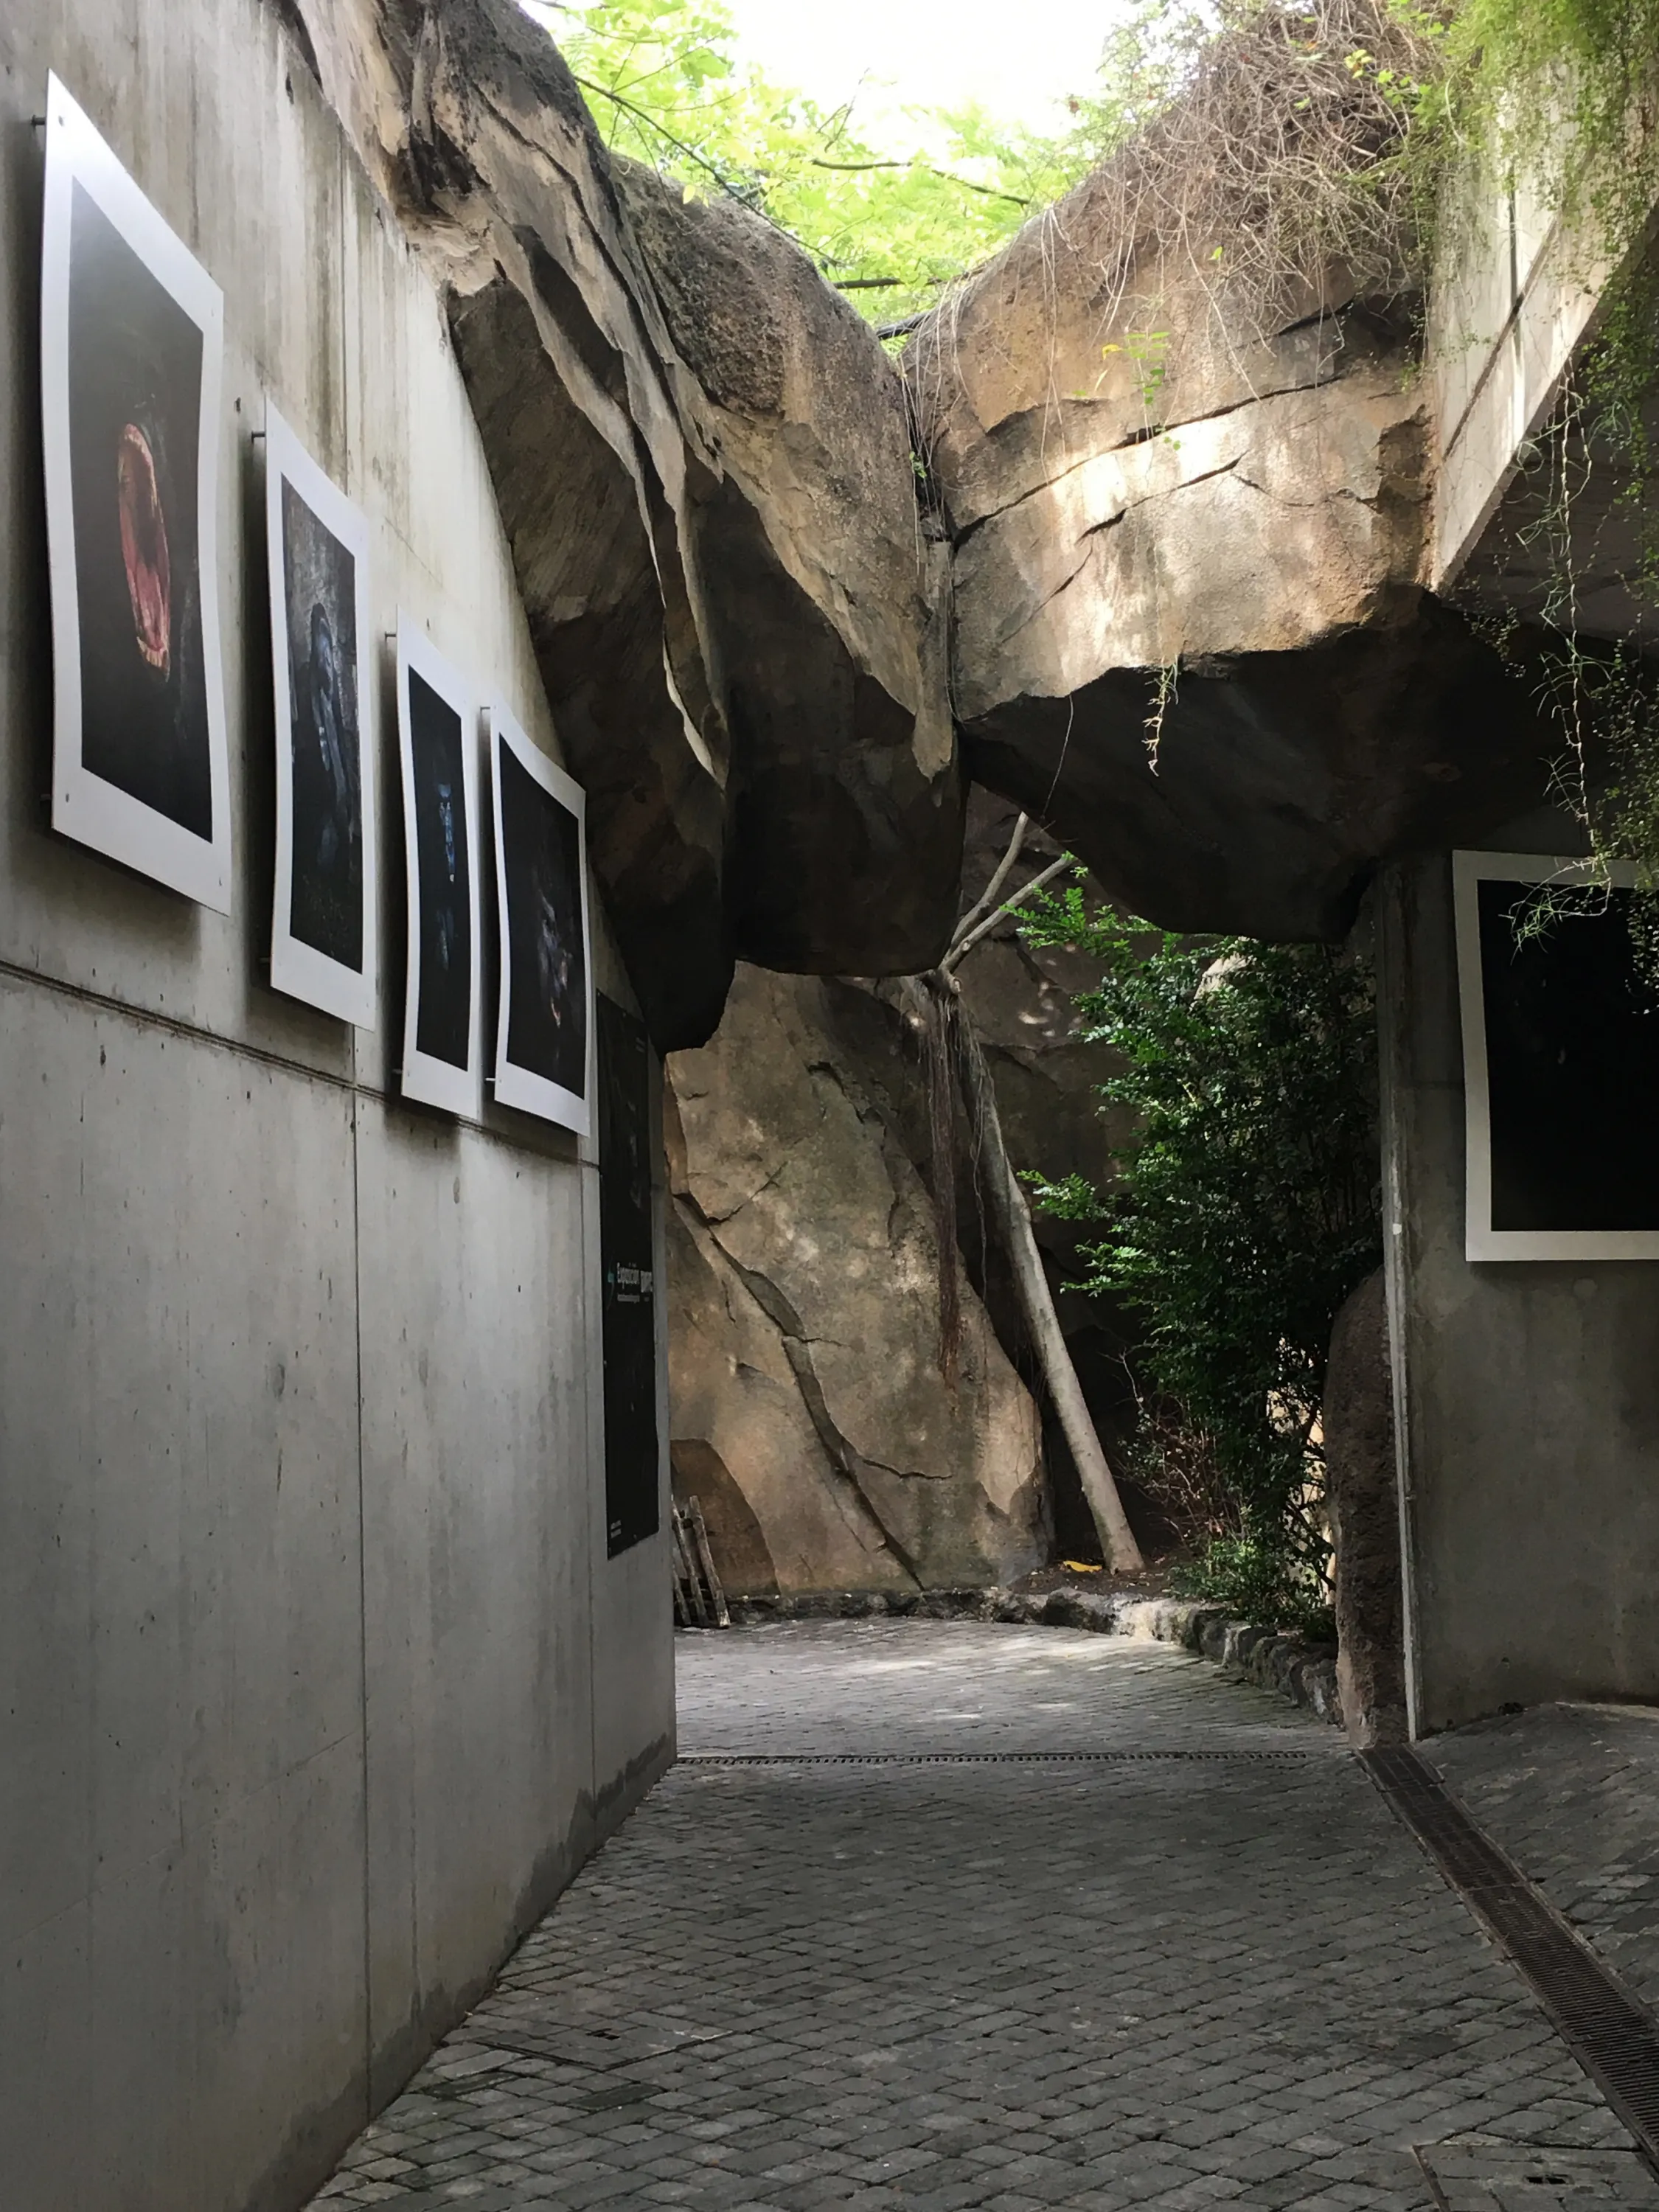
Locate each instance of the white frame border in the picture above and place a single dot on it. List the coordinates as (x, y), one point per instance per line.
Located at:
(297, 969)
(1482, 1240)
(513, 1085)
(431, 1081)
(84, 806)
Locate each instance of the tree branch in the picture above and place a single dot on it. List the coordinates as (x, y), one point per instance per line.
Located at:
(649, 122)
(944, 177)
(1011, 1215)
(987, 897)
(954, 958)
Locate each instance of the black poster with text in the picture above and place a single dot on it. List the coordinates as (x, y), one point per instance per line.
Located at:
(627, 1267)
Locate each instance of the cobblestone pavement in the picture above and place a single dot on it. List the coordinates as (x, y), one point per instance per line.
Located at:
(1201, 1965)
(1571, 1792)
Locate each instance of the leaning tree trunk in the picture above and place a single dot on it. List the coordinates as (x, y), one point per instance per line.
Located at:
(1011, 1219)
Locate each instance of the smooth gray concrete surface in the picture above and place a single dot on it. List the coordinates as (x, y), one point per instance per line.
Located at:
(883, 1940)
(316, 1681)
(1526, 1392)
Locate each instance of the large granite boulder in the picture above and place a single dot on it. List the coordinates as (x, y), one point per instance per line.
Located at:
(826, 610)
(1191, 631)
(702, 462)
(804, 1332)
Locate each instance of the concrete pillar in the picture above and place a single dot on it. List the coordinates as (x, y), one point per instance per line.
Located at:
(1526, 1392)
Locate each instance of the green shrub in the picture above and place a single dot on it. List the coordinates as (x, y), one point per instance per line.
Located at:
(1243, 1211)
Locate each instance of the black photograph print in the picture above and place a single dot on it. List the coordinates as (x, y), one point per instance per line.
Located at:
(633, 1472)
(323, 924)
(1561, 1062)
(544, 1019)
(437, 719)
(131, 369)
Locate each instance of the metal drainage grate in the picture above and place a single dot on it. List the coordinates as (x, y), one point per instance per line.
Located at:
(1614, 2038)
(979, 1758)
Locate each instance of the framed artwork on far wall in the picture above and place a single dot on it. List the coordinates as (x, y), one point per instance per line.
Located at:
(438, 748)
(544, 1022)
(323, 917)
(1560, 1062)
(132, 359)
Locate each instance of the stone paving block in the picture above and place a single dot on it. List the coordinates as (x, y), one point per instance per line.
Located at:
(1489, 2178)
(1570, 1792)
(1207, 1970)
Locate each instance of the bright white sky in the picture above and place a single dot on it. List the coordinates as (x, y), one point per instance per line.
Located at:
(931, 53)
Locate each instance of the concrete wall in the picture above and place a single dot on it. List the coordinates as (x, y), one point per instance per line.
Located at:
(1527, 1393)
(1508, 314)
(315, 1683)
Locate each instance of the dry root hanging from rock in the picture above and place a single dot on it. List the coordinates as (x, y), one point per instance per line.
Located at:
(1276, 163)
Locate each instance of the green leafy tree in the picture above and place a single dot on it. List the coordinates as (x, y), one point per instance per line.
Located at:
(892, 230)
(1244, 1212)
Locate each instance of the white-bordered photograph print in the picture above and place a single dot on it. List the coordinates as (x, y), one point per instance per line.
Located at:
(438, 748)
(324, 915)
(545, 1022)
(132, 361)
(1560, 1019)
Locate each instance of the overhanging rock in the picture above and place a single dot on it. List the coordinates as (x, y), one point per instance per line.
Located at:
(1259, 792)
(826, 607)
(1191, 632)
(702, 458)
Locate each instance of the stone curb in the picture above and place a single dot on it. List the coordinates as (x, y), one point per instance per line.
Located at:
(1302, 1672)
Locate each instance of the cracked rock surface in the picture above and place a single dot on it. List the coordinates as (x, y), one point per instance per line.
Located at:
(808, 1410)
(1190, 631)
(809, 1415)
(1163, 590)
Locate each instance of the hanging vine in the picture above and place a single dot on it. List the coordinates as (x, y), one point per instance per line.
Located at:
(1559, 99)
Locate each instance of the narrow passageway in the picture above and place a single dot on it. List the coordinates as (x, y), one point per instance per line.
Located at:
(938, 1916)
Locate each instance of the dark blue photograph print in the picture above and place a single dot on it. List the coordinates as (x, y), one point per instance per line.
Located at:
(438, 741)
